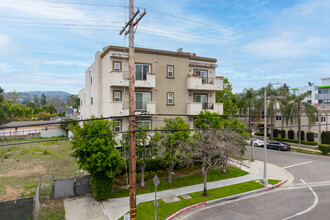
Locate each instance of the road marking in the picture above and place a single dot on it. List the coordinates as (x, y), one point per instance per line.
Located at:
(308, 209)
(298, 164)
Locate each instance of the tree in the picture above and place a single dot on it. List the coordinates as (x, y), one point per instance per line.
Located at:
(3, 107)
(36, 100)
(29, 104)
(146, 148)
(57, 102)
(294, 109)
(72, 101)
(12, 97)
(98, 155)
(172, 141)
(228, 99)
(43, 100)
(210, 147)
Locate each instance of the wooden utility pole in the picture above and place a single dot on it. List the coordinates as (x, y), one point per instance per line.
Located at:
(132, 151)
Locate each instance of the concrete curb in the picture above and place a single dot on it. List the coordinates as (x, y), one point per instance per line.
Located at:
(173, 216)
(312, 154)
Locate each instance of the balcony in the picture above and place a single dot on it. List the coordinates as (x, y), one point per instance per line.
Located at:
(207, 83)
(122, 108)
(196, 107)
(122, 79)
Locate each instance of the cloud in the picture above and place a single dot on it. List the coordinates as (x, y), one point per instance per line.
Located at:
(67, 63)
(6, 68)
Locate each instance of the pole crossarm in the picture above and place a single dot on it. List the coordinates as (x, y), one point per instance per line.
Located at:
(131, 21)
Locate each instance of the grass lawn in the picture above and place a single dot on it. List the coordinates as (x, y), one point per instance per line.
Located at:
(192, 179)
(146, 210)
(273, 182)
(308, 151)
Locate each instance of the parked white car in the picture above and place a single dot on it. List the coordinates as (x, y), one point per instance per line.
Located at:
(257, 142)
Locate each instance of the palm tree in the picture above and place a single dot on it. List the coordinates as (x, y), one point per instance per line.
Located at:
(246, 102)
(294, 109)
(284, 92)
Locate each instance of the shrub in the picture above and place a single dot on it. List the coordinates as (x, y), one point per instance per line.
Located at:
(291, 134)
(102, 186)
(302, 134)
(325, 137)
(310, 136)
(282, 133)
(275, 132)
(155, 164)
(324, 148)
(261, 134)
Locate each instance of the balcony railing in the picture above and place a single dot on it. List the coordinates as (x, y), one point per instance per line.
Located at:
(122, 108)
(196, 82)
(196, 107)
(122, 79)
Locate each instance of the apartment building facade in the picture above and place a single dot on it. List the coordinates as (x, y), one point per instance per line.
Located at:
(166, 82)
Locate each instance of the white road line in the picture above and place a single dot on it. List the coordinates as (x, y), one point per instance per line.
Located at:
(308, 209)
(298, 164)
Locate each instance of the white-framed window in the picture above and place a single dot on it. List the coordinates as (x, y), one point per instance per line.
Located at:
(118, 126)
(278, 117)
(316, 135)
(91, 100)
(322, 118)
(170, 71)
(144, 124)
(117, 96)
(141, 71)
(141, 100)
(170, 98)
(202, 74)
(116, 66)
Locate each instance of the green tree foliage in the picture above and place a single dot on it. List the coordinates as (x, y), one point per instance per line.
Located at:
(98, 155)
(228, 99)
(36, 100)
(146, 148)
(29, 104)
(17, 111)
(3, 108)
(12, 97)
(172, 141)
(73, 101)
(43, 100)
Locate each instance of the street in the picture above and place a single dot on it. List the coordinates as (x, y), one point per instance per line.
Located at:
(288, 202)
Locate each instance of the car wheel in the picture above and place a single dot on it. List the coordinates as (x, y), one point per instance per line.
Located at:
(279, 148)
(256, 145)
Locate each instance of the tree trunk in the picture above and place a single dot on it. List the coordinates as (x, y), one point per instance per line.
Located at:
(170, 170)
(204, 170)
(272, 128)
(224, 165)
(143, 166)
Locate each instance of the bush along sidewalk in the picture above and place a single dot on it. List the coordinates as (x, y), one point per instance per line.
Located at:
(324, 148)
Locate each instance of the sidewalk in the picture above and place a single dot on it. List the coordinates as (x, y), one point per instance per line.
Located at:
(115, 208)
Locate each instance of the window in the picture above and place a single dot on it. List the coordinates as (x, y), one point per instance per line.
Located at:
(202, 74)
(141, 71)
(116, 66)
(145, 124)
(170, 71)
(91, 100)
(316, 135)
(278, 117)
(322, 118)
(317, 119)
(141, 100)
(202, 98)
(117, 96)
(170, 98)
(118, 126)
(91, 80)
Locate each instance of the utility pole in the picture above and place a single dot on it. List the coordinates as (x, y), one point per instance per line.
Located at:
(265, 180)
(132, 140)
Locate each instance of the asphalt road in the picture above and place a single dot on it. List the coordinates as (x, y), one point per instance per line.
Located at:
(284, 203)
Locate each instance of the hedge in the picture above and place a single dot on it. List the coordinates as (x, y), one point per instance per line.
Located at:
(295, 141)
(310, 136)
(275, 133)
(302, 135)
(261, 134)
(324, 148)
(325, 137)
(102, 186)
(291, 134)
(282, 133)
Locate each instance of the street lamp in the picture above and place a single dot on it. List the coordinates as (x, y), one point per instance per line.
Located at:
(265, 179)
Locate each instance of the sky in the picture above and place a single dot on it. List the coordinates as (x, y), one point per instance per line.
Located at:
(46, 45)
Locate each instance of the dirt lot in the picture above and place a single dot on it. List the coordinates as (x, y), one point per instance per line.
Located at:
(22, 165)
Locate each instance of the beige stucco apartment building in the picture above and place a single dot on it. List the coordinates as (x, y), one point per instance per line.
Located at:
(166, 83)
